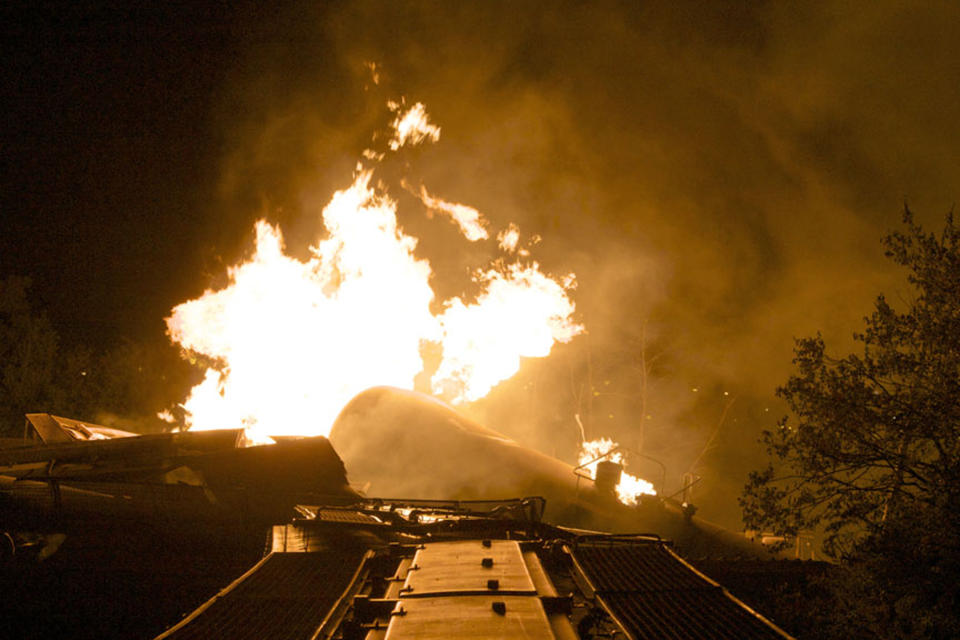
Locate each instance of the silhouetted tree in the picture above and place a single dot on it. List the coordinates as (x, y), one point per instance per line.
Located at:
(28, 347)
(137, 379)
(125, 385)
(872, 453)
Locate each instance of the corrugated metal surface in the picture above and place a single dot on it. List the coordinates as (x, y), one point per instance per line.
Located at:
(636, 567)
(345, 516)
(287, 596)
(655, 595)
(682, 615)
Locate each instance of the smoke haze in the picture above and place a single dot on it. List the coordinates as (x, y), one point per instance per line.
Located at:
(718, 176)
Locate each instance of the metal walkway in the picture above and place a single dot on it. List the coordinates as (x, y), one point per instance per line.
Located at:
(285, 595)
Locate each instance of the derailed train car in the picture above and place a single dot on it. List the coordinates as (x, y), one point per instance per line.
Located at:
(66, 475)
(396, 570)
(450, 550)
(402, 443)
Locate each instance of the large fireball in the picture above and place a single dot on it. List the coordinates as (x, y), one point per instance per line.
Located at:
(294, 340)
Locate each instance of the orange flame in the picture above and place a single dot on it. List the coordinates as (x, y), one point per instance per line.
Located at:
(593, 452)
(521, 312)
(295, 340)
(509, 238)
(412, 126)
(470, 221)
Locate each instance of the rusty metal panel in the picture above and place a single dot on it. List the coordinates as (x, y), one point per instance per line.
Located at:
(468, 566)
(469, 618)
(48, 430)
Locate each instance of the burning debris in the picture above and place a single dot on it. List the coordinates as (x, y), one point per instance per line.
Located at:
(593, 453)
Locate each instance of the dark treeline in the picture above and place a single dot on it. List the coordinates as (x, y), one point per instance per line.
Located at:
(125, 384)
(870, 454)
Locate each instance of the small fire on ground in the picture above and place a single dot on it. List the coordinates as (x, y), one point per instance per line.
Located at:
(592, 452)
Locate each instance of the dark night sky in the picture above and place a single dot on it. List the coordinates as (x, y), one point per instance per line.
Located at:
(109, 150)
(718, 172)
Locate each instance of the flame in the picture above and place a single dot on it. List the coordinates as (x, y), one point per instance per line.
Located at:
(293, 340)
(412, 127)
(299, 339)
(374, 70)
(509, 237)
(470, 221)
(521, 312)
(594, 451)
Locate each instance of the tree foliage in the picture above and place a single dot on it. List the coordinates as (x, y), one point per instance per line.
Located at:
(131, 381)
(871, 454)
(28, 347)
